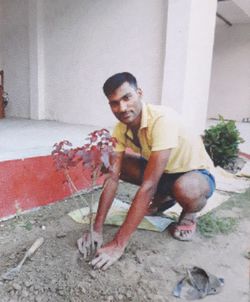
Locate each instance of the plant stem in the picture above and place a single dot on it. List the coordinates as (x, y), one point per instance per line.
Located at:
(95, 175)
(74, 190)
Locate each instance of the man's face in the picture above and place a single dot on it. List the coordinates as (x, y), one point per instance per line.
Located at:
(125, 103)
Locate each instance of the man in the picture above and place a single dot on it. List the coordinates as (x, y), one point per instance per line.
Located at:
(171, 163)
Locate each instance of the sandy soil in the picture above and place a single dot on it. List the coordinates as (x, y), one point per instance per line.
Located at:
(148, 271)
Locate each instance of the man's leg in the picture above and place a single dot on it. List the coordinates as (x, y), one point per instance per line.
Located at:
(132, 171)
(191, 190)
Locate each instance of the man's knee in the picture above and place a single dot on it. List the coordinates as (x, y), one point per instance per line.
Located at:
(190, 190)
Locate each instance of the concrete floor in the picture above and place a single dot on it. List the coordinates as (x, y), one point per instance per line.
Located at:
(23, 138)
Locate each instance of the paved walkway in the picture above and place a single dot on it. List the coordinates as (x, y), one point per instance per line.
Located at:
(22, 138)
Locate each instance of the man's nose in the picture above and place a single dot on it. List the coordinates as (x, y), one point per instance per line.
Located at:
(123, 106)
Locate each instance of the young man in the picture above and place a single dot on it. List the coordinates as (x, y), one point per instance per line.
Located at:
(171, 162)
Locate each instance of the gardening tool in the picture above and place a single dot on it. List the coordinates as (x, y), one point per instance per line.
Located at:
(10, 274)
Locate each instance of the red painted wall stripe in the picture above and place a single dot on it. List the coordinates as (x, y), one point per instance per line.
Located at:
(34, 182)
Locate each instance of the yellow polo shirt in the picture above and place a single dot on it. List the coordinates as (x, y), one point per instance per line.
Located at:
(161, 128)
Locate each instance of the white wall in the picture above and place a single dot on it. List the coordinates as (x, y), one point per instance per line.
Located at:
(1, 38)
(87, 41)
(15, 55)
(230, 81)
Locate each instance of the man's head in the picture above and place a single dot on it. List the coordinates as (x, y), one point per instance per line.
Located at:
(124, 98)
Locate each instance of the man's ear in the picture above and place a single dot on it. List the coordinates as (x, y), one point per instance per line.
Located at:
(140, 92)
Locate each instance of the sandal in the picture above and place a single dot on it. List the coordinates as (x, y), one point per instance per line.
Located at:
(184, 231)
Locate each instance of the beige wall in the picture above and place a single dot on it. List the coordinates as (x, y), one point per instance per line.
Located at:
(87, 41)
(15, 55)
(230, 80)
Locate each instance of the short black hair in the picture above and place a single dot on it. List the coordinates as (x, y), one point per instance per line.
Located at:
(117, 80)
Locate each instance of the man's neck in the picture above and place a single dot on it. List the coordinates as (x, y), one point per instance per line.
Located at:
(135, 126)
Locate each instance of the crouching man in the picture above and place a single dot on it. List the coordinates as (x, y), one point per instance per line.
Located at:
(172, 162)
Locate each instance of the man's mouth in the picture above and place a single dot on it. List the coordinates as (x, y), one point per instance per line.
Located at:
(125, 116)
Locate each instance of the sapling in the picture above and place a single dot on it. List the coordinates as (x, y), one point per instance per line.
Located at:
(94, 155)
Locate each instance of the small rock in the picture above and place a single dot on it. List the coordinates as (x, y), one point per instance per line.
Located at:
(60, 235)
(110, 299)
(81, 286)
(28, 283)
(92, 275)
(158, 298)
(16, 286)
(25, 293)
(60, 292)
(38, 299)
(120, 297)
(43, 227)
(129, 294)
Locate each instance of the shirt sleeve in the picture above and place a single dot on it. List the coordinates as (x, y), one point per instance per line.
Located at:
(120, 137)
(165, 134)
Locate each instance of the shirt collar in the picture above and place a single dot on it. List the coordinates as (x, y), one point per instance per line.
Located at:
(144, 116)
(144, 121)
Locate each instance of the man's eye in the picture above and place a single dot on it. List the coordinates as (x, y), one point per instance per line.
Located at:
(114, 104)
(127, 97)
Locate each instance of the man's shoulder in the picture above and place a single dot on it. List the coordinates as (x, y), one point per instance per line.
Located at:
(120, 127)
(156, 111)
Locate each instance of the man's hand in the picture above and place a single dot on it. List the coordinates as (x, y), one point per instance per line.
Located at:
(84, 243)
(107, 255)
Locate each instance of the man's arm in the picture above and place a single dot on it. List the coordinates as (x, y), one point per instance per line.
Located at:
(112, 251)
(110, 186)
(108, 193)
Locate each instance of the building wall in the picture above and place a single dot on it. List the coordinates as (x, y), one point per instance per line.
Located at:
(1, 38)
(87, 41)
(230, 79)
(15, 55)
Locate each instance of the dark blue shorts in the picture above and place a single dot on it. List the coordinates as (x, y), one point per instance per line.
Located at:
(210, 179)
(167, 181)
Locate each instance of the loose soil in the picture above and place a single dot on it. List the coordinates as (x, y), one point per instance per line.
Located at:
(148, 271)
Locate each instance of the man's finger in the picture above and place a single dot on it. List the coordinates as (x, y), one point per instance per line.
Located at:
(99, 258)
(108, 264)
(80, 245)
(101, 262)
(86, 252)
(96, 260)
(82, 248)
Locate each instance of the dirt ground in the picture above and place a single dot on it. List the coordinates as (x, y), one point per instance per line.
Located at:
(148, 271)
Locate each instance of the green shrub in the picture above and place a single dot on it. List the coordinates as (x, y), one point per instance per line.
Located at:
(222, 141)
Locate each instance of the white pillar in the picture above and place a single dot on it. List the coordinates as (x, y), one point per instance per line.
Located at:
(37, 105)
(188, 59)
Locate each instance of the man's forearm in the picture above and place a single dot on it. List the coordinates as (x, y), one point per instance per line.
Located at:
(135, 215)
(105, 203)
